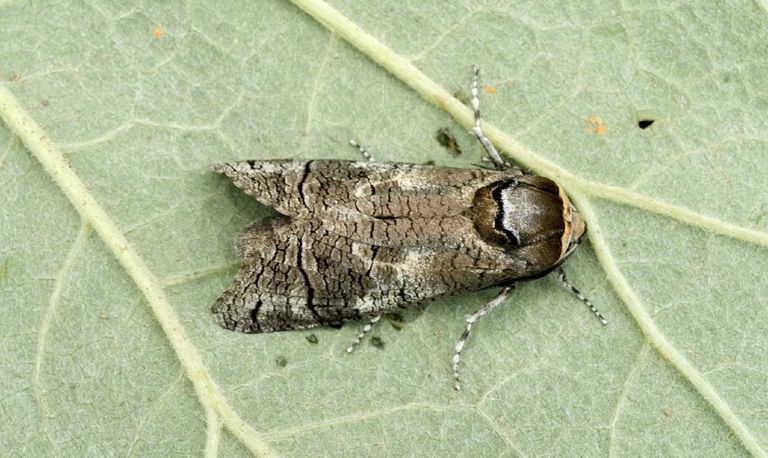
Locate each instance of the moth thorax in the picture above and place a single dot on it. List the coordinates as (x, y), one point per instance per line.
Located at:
(528, 214)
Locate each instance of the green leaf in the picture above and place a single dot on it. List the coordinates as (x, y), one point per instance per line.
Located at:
(116, 237)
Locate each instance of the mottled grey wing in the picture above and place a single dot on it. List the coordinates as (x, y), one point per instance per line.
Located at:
(302, 273)
(293, 277)
(359, 239)
(377, 189)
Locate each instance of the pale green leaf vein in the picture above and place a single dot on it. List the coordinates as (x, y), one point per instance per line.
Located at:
(441, 38)
(290, 433)
(212, 434)
(330, 49)
(404, 70)
(656, 337)
(45, 324)
(639, 361)
(576, 186)
(154, 408)
(198, 274)
(52, 160)
(499, 432)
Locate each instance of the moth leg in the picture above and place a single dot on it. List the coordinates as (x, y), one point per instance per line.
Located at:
(471, 320)
(560, 276)
(362, 150)
(366, 329)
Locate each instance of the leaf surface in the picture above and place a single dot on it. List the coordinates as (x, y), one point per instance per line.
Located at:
(115, 235)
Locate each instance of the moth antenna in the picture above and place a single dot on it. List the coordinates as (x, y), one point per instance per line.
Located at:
(560, 276)
(478, 131)
(366, 329)
(471, 320)
(362, 150)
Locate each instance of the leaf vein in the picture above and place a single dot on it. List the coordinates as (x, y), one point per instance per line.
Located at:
(45, 324)
(411, 76)
(54, 163)
(576, 186)
(657, 339)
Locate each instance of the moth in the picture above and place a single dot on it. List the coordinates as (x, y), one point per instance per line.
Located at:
(357, 239)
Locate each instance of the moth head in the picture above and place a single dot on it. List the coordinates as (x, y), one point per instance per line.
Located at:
(529, 217)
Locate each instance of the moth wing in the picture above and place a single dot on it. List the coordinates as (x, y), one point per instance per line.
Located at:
(377, 189)
(292, 278)
(302, 273)
(277, 184)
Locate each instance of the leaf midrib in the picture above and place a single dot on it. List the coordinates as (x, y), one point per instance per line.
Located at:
(213, 402)
(405, 71)
(578, 188)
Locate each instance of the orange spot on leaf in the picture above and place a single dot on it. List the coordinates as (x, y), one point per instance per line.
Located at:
(490, 89)
(596, 125)
(158, 32)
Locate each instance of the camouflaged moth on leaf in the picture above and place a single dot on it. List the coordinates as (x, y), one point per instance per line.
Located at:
(356, 239)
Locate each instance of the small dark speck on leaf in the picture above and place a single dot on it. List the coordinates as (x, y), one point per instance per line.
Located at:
(45, 102)
(281, 361)
(396, 320)
(447, 140)
(377, 342)
(645, 123)
(312, 339)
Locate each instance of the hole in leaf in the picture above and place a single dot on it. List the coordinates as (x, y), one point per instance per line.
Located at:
(645, 123)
